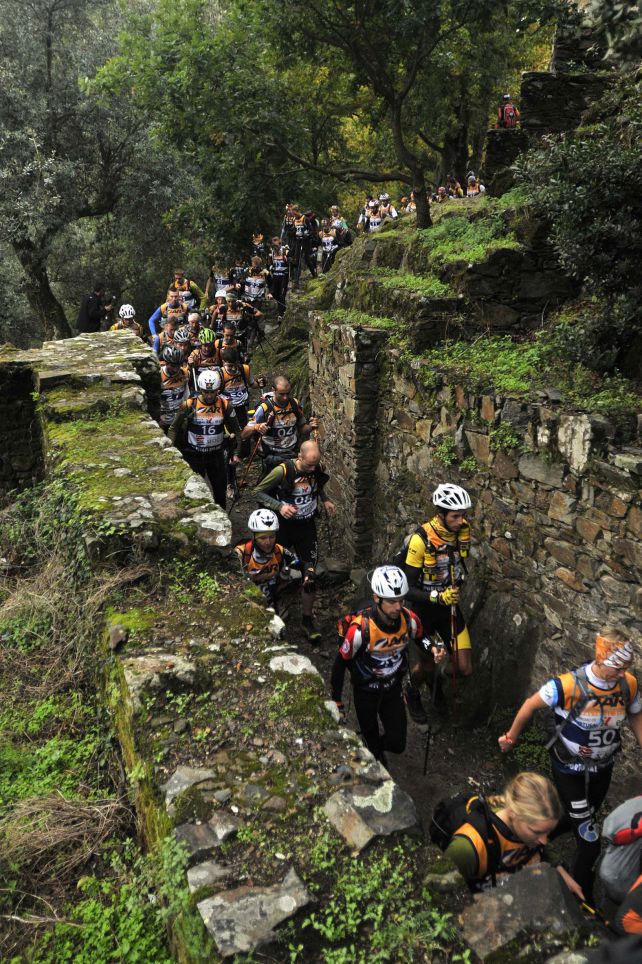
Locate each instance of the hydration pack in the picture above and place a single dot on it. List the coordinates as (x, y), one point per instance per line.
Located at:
(400, 556)
(509, 116)
(452, 812)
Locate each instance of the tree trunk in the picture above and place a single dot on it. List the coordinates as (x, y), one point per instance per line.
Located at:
(41, 298)
(423, 209)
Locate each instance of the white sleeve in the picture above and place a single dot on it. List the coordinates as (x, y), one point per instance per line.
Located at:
(549, 693)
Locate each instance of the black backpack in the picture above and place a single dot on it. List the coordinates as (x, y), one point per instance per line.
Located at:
(399, 558)
(450, 814)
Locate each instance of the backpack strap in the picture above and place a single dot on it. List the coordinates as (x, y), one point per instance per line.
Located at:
(580, 682)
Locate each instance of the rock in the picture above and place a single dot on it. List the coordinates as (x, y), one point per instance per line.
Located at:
(243, 919)
(198, 838)
(117, 636)
(182, 779)
(277, 627)
(292, 663)
(564, 552)
(578, 437)
(571, 579)
(444, 883)
(253, 793)
(196, 488)
(535, 899)
(362, 813)
(223, 825)
(222, 796)
(631, 463)
(342, 774)
(479, 446)
(568, 957)
(562, 508)
(535, 468)
(180, 726)
(366, 768)
(618, 593)
(504, 467)
(206, 874)
(151, 672)
(589, 531)
(275, 805)
(333, 710)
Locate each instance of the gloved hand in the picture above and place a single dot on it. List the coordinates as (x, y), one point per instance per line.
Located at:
(449, 596)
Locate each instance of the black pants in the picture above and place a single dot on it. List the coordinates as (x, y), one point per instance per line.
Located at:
(302, 253)
(581, 805)
(387, 706)
(279, 290)
(301, 537)
(213, 467)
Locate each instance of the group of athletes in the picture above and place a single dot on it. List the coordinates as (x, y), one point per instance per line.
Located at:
(411, 636)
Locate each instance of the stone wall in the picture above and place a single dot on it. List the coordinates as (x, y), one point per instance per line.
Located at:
(22, 449)
(557, 518)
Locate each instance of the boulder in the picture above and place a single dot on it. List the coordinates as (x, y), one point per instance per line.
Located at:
(535, 468)
(292, 663)
(182, 779)
(361, 813)
(206, 874)
(533, 900)
(244, 919)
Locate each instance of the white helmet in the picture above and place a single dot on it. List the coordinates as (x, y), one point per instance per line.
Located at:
(263, 520)
(451, 497)
(220, 293)
(126, 312)
(210, 380)
(389, 582)
(384, 197)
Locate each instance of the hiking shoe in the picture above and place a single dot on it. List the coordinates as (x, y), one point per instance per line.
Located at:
(412, 699)
(310, 631)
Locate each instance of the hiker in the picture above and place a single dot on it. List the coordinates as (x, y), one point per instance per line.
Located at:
(198, 431)
(386, 207)
(205, 356)
(265, 561)
(305, 240)
(329, 245)
(172, 308)
(621, 863)
(189, 292)
(174, 384)
(167, 335)
(434, 564)
(227, 340)
(127, 321)
(489, 838)
(279, 274)
(281, 424)
(293, 489)
(373, 648)
(507, 114)
(255, 284)
(591, 704)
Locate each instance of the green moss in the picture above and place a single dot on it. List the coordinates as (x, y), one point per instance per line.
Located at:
(360, 319)
(133, 620)
(469, 239)
(191, 805)
(428, 286)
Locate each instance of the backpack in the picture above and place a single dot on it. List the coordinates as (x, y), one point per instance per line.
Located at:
(345, 622)
(509, 116)
(451, 813)
(586, 696)
(400, 556)
(621, 861)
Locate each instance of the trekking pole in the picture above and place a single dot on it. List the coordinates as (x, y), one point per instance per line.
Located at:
(596, 915)
(433, 695)
(453, 630)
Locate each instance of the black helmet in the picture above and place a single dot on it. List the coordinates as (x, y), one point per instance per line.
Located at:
(172, 354)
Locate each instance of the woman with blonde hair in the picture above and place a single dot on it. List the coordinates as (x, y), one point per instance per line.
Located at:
(507, 832)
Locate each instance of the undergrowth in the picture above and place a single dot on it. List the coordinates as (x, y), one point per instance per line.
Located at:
(360, 319)
(521, 367)
(467, 239)
(426, 285)
(73, 883)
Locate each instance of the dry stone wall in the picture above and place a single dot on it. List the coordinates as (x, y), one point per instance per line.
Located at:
(557, 519)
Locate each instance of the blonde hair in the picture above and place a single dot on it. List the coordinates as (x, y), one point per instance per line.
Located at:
(531, 797)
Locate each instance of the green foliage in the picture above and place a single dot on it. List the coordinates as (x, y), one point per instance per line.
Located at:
(469, 465)
(446, 450)
(597, 238)
(187, 579)
(505, 438)
(498, 363)
(466, 238)
(120, 917)
(360, 319)
(376, 914)
(426, 285)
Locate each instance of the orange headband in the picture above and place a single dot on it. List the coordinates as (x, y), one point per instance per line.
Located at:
(613, 652)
